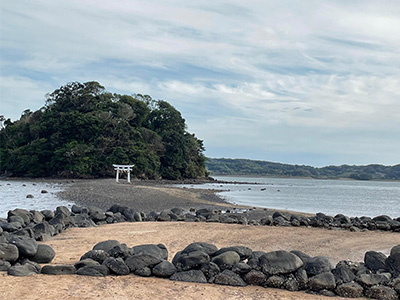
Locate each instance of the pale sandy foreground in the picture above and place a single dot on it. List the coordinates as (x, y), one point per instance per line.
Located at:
(70, 245)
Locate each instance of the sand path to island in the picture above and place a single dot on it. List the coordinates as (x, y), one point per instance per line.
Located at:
(70, 245)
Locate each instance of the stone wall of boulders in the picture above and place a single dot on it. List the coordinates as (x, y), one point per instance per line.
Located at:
(377, 277)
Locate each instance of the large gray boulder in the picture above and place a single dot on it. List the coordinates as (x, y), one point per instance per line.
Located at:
(27, 247)
(228, 277)
(62, 269)
(26, 269)
(121, 250)
(210, 249)
(322, 281)
(375, 260)
(159, 251)
(372, 279)
(343, 274)
(96, 271)
(86, 262)
(393, 261)
(189, 276)
(279, 262)
(317, 265)
(210, 270)
(4, 265)
(97, 255)
(255, 278)
(164, 269)
(350, 290)
(117, 266)
(244, 252)
(23, 213)
(10, 252)
(382, 293)
(44, 254)
(106, 245)
(226, 260)
(141, 261)
(186, 261)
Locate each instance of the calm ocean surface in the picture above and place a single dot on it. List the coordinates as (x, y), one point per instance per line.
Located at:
(348, 197)
(13, 195)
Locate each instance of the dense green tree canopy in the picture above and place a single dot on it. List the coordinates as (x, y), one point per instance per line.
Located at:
(83, 129)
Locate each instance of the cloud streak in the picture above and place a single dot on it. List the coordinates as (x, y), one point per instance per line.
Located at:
(311, 82)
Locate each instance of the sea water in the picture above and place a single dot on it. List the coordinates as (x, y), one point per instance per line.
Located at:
(348, 197)
(13, 194)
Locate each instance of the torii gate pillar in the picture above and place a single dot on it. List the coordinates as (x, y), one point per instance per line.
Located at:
(123, 168)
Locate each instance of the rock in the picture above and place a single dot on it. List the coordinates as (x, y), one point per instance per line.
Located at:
(4, 265)
(116, 208)
(63, 269)
(189, 276)
(43, 191)
(144, 272)
(121, 250)
(382, 218)
(322, 281)
(86, 262)
(117, 266)
(48, 214)
(227, 277)
(204, 212)
(96, 271)
(210, 270)
(188, 260)
(37, 216)
(372, 279)
(241, 268)
(11, 227)
(44, 254)
(275, 281)
(210, 249)
(301, 278)
(350, 290)
(343, 274)
(16, 219)
(255, 278)
(29, 196)
(394, 250)
(342, 219)
(63, 210)
(375, 260)
(291, 284)
(106, 245)
(10, 251)
(279, 262)
(317, 265)
(97, 255)
(393, 263)
(43, 230)
(76, 209)
(22, 270)
(98, 216)
(137, 262)
(22, 213)
(83, 220)
(243, 252)
(164, 269)
(303, 256)
(164, 216)
(27, 247)
(226, 260)
(381, 293)
(159, 251)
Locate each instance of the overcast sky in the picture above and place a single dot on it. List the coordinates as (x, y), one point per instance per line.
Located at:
(302, 82)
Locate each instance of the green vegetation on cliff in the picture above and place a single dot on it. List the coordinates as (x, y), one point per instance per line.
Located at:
(83, 129)
(226, 166)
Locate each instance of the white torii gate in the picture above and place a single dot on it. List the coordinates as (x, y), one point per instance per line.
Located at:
(123, 168)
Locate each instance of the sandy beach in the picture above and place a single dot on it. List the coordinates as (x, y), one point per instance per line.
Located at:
(144, 196)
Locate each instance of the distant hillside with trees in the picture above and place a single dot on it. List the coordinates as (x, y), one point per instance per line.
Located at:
(226, 166)
(83, 129)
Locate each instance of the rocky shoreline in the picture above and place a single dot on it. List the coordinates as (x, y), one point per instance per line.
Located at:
(377, 277)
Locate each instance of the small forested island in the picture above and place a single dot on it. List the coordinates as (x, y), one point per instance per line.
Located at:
(82, 130)
(227, 166)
